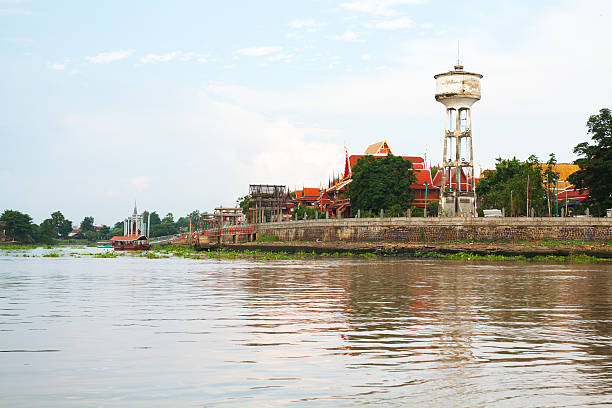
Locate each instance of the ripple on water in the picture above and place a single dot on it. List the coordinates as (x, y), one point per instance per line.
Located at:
(180, 332)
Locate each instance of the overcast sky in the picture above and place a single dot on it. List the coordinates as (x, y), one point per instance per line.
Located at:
(182, 104)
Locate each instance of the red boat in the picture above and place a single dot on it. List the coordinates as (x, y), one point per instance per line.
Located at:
(133, 242)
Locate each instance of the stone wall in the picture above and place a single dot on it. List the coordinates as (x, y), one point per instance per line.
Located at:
(442, 229)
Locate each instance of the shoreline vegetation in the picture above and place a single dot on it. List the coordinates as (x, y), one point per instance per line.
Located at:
(544, 251)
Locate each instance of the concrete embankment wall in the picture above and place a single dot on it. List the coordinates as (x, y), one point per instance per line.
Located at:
(442, 229)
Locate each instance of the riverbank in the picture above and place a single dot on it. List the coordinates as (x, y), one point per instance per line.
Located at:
(537, 250)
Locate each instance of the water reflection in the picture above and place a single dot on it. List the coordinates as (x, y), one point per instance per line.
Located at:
(461, 331)
(175, 332)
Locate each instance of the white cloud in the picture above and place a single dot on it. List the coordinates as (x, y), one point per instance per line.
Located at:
(14, 12)
(75, 71)
(366, 57)
(427, 26)
(281, 57)
(140, 182)
(348, 36)
(188, 56)
(376, 7)
(57, 67)
(290, 35)
(159, 57)
(258, 51)
(395, 24)
(306, 24)
(110, 56)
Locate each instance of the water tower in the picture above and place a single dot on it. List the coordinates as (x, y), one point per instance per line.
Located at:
(458, 90)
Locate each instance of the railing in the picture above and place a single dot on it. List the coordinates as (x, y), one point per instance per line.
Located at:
(168, 238)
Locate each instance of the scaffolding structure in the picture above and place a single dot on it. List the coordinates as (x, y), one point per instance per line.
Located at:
(268, 197)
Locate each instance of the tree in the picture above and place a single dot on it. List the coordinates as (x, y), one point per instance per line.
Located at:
(168, 219)
(550, 178)
(511, 184)
(182, 223)
(46, 231)
(87, 224)
(103, 233)
(381, 183)
(90, 235)
(194, 216)
(595, 172)
(19, 226)
(117, 229)
(65, 228)
(62, 225)
(305, 213)
(57, 218)
(155, 218)
(244, 203)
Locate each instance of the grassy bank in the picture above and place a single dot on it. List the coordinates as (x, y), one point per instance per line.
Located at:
(280, 254)
(299, 252)
(253, 254)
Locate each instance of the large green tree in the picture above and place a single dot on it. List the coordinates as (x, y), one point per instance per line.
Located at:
(19, 226)
(46, 232)
(381, 183)
(155, 218)
(595, 163)
(511, 184)
(87, 224)
(61, 224)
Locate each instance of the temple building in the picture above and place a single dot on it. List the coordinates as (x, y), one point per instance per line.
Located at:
(425, 189)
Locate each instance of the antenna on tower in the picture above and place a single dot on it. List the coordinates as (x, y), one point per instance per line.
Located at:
(458, 60)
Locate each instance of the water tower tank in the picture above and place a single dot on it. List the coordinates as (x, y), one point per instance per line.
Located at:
(458, 88)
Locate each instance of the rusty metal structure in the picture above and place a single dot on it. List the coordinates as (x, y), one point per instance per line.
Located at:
(268, 197)
(458, 90)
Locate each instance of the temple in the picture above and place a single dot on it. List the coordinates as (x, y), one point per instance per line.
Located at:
(424, 188)
(276, 203)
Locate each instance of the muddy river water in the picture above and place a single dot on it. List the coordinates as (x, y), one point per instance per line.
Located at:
(79, 331)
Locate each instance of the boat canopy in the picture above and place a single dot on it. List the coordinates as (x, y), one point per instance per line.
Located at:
(132, 237)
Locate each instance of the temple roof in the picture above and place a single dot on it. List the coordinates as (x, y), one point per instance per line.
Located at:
(570, 193)
(378, 148)
(423, 176)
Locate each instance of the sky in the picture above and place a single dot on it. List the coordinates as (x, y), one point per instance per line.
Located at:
(180, 105)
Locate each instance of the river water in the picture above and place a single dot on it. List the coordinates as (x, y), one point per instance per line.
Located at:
(137, 332)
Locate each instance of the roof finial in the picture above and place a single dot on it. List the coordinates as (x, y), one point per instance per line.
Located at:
(135, 210)
(458, 67)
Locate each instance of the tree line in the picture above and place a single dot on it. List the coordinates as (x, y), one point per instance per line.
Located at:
(529, 187)
(19, 227)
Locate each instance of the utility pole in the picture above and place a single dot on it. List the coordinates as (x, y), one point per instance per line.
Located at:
(557, 189)
(425, 212)
(527, 198)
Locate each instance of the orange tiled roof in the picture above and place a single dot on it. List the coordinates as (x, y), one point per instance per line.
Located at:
(132, 237)
(378, 148)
